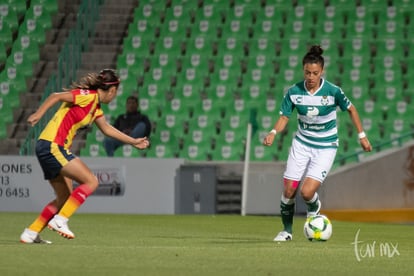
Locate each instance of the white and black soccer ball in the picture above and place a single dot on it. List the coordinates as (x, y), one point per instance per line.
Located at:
(318, 228)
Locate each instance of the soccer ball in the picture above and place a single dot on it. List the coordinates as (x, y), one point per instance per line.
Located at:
(317, 228)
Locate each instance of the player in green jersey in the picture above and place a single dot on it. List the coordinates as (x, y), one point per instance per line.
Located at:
(315, 144)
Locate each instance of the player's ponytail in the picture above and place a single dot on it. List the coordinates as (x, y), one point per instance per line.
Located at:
(314, 55)
(104, 80)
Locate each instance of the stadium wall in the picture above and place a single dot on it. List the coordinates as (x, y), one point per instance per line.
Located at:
(143, 186)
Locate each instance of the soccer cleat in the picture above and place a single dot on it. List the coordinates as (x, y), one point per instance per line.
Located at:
(314, 211)
(29, 236)
(283, 236)
(60, 225)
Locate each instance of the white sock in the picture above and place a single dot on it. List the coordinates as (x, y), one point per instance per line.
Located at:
(287, 201)
(314, 198)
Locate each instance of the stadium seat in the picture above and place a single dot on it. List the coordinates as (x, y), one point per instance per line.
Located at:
(42, 16)
(3, 53)
(205, 28)
(195, 152)
(33, 29)
(9, 16)
(139, 44)
(262, 153)
(51, 6)
(227, 153)
(144, 28)
(160, 151)
(6, 34)
(200, 44)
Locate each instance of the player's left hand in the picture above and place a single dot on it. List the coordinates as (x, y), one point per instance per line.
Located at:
(365, 144)
(141, 143)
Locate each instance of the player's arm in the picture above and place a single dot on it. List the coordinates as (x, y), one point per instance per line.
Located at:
(108, 130)
(278, 127)
(363, 139)
(50, 101)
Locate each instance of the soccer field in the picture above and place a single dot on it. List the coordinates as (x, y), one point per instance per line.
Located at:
(203, 245)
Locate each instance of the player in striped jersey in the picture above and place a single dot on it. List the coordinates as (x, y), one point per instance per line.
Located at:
(80, 107)
(315, 144)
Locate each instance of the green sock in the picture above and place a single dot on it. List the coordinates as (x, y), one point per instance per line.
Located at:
(287, 211)
(313, 204)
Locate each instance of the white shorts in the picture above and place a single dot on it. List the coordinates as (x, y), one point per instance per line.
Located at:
(308, 161)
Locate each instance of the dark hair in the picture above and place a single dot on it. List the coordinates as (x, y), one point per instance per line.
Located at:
(103, 80)
(132, 97)
(314, 55)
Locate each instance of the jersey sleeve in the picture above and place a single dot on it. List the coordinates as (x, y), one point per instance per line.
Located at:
(342, 100)
(287, 106)
(83, 97)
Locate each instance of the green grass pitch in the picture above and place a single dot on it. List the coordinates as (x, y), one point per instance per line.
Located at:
(203, 245)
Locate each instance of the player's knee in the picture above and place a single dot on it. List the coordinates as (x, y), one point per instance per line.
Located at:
(307, 194)
(93, 183)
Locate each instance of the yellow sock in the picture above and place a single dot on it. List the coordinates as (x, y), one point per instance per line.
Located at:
(75, 200)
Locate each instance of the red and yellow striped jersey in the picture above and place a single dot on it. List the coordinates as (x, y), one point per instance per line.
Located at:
(70, 117)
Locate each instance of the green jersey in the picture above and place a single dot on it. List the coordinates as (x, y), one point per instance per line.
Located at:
(316, 113)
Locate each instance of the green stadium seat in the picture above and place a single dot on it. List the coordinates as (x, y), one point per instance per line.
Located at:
(197, 61)
(230, 45)
(51, 6)
(144, 28)
(389, 46)
(195, 152)
(18, 6)
(187, 93)
(3, 53)
(28, 46)
(262, 46)
(160, 151)
(390, 28)
(227, 153)
(93, 150)
(328, 28)
(212, 11)
(180, 10)
(294, 44)
(127, 151)
(206, 28)
(9, 16)
(170, 45)
(204, 121)
(38, 13)
(274, 12)
(6, 110)
(149, 12)
(139, 44)
(17, 61)
(176, 28)
(201, 45)
(265, 27)
(6, 34)
(235, 28)
(16, 80)
(260, 153)
(33, 29)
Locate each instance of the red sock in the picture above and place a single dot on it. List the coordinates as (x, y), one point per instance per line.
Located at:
(75, 200)
(47, 214)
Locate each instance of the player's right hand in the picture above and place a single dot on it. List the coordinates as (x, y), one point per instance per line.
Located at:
(141, 143)
(33, 119)
(268, 140)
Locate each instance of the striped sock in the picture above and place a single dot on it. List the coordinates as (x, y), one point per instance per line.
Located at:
(75, 200)
(41, 221)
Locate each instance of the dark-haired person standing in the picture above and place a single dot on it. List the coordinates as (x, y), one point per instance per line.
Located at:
(80, 107)
(315, 144)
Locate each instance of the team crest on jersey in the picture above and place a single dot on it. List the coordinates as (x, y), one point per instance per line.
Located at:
(84, 92)
(324, 100)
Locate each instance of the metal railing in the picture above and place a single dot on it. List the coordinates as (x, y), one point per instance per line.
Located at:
(69, 61)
